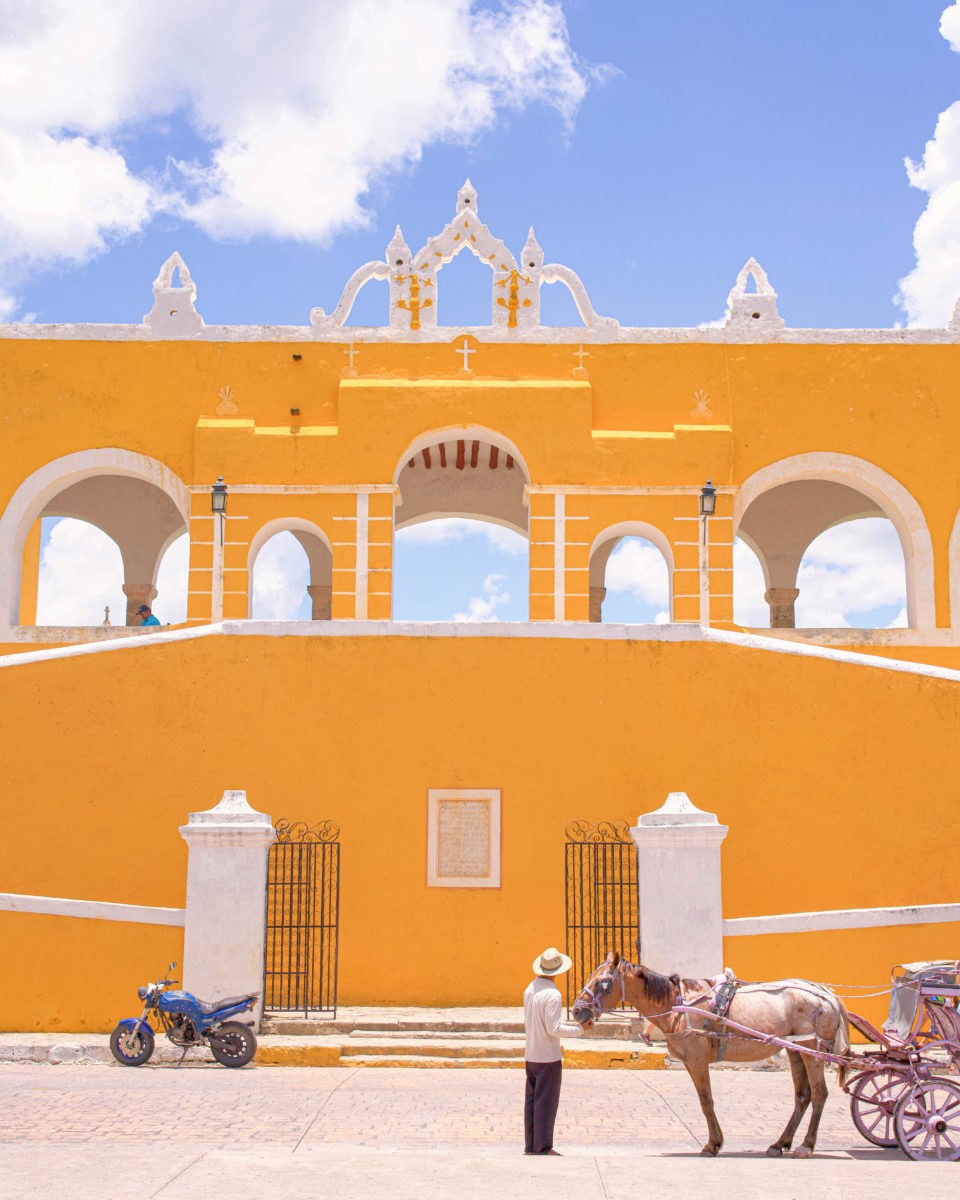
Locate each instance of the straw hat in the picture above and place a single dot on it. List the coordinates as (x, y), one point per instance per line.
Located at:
(551, 962)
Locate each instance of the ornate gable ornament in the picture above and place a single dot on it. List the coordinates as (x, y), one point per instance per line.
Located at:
(752, 313)
(414, 280)
(174, 312)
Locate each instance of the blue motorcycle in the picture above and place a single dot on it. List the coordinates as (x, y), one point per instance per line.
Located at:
(187, 1022)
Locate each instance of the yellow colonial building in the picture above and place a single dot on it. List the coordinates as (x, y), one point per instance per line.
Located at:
(453, 757)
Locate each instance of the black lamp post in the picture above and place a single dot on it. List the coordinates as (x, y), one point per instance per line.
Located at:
(708, 499)
(218, 496)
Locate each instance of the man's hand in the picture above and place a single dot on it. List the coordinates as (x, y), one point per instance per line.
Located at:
(588, 1025)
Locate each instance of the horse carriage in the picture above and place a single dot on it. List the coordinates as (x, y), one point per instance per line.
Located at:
(900, 1093)
(899, 1096)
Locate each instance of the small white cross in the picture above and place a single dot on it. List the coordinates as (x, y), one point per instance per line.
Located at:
(466, 351)
(581, 354)
(351, 353)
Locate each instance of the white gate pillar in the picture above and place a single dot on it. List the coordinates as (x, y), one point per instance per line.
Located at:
(223, 942)
(678, 884)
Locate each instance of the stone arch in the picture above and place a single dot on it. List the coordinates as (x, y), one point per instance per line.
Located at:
(462, 471)
(73, 473)
(602, 547)
(884, 496)
(316, 546)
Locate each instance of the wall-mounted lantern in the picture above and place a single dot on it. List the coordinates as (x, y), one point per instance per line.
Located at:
(708, 499)
(218, 496)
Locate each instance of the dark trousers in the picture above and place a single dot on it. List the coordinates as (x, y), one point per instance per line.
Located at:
(540, 1105)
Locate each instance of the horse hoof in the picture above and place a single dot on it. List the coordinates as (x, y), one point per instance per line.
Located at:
(774, 1152)
(803, 1152)
(710, 1151)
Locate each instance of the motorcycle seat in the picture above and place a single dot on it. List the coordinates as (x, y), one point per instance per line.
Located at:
(211, 1006)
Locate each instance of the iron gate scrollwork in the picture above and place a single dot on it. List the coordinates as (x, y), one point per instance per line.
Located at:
(601, 896)
(302, 920)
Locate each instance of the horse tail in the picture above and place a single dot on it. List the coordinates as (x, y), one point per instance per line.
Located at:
(841, 1040)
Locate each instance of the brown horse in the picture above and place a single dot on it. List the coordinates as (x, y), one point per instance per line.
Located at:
(806, 1014)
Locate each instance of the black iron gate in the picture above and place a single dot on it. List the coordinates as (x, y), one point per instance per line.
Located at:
(601, 897)
(303, 909)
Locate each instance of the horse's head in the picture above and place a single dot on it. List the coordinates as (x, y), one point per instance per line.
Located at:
(602, 991)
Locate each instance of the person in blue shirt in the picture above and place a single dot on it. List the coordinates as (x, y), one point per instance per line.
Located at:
(146, 616)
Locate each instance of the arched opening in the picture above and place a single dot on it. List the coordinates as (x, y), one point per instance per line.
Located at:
(631, 575)
(461, 550)
(853, 575)
(173, 582)
(464, 298)
(136, 501)
(80, 577)
(862, 575)
(290, 568)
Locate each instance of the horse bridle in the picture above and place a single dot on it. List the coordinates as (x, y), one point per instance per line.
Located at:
(593, 1000)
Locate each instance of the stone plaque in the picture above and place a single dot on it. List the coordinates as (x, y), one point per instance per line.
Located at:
(463, 839)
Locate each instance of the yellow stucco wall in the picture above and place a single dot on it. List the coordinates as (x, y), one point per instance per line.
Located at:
(107, 752)
(636, 427)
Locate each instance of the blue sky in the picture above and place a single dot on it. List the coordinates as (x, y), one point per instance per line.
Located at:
(654, 148)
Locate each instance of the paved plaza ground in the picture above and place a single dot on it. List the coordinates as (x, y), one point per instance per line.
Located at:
(202, 1132)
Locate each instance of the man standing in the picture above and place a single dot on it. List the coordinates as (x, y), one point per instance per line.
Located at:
(544, 1026)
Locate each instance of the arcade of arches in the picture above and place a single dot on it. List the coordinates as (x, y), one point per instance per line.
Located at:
(530, 482)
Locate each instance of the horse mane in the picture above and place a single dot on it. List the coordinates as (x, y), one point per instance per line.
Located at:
(659, 988)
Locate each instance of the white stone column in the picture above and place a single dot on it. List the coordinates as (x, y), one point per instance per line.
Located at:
(678, 880)
(223, 942)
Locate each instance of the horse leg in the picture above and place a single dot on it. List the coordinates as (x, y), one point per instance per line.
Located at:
(818, 1087)
(801, 1098)
(699, 1071)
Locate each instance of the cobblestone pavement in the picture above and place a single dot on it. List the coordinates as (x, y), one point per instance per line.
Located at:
(197, 1132)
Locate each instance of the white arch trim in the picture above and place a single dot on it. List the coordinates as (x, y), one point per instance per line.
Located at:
(887, 493)
(639, 529)
(38, 489)
(270, 529)
(466, 433)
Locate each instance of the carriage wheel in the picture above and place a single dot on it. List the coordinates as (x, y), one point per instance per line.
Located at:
(927, 1121)
(873, 1097)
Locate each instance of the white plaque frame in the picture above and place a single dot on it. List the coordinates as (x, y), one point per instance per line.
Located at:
(434, 798)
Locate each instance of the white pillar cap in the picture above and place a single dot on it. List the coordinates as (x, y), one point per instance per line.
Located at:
(232, 818)
(677, 809)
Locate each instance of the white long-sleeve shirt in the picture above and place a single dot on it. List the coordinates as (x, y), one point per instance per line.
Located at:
(543, 1022)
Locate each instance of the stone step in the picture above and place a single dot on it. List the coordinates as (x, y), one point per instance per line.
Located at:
(431, 1060)
(419, 1022)
(436, 1049)
(455, 1035)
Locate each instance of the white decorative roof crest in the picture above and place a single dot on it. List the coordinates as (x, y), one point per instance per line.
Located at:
(752, 313)
(413, 279)
(174, 313)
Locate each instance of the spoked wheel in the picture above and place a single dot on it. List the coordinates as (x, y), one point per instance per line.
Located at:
(873, 1098)
(131, 1049)
(927, 1121)
(233, 1044)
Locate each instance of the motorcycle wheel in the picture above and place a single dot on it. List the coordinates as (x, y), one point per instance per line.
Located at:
(131, 1049)
(233, 1044)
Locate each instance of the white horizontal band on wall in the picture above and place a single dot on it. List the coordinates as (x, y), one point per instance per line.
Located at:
(841, 918)
(97, 910)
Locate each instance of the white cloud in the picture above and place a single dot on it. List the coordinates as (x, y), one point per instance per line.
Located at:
(929, 292)
(81, 572)
(846, 572)
(281, 574)
(457, 529)
(638, 567)
(302, 104)
(483, 607)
